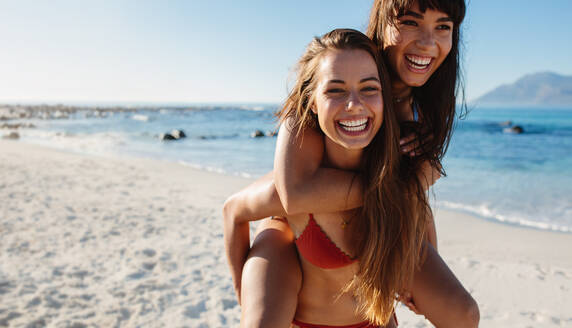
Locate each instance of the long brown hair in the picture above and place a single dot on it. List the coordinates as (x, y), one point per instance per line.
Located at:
(389, 230)
(437, 98)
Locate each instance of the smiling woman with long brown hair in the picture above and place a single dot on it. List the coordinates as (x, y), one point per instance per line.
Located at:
(419, 40)
(357, 259)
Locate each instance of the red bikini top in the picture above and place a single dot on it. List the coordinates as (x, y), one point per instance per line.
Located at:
(316, 247)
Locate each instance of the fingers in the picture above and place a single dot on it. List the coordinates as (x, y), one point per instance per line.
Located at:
(407, 139)
(408, 144)
(411, 146)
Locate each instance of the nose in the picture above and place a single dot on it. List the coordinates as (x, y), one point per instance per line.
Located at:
(354, 102)
(426, 39)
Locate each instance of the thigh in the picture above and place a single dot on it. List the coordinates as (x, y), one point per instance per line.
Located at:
(439, 295)
(271, 278)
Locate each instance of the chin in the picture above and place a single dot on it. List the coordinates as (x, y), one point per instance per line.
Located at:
(415, 82)
(357, 145)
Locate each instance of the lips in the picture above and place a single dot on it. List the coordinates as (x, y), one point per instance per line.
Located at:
(354, 126)
(418, 63)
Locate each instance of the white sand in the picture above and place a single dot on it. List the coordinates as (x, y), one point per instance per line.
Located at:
(123, 242)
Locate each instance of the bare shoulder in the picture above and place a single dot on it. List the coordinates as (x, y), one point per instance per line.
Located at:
(307, 137)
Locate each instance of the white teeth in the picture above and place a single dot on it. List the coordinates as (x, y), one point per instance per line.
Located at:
(421, 61)
(350, 123)
(354, 125)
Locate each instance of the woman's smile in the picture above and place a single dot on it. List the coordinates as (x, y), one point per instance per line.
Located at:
(418, 64)
(354, 126)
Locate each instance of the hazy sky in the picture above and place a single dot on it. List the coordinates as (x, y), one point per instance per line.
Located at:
(235, 51)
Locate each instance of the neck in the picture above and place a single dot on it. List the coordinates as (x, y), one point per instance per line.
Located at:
(342, 158)
(400, 90)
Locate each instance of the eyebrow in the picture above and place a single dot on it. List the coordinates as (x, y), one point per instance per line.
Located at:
(371, 78)
(419, 16)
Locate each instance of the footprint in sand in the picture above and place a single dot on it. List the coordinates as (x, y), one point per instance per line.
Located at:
(136, 275)
(194, 311)
(80, 274)
(28, 289)
(149, 252)
(149, 265)
(4, 322)
(34, 302)
(6, 287)
(52, 303)
(38, 323)
(228, 304)
(197, 276)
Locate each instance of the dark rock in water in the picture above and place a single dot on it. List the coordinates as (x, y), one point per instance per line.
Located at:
(12, 135)
(174, 135)
(257, 134)
(178, 134)
(17, 126)
(271, 133)
(166, 137)
(517, 129)
(505, 123)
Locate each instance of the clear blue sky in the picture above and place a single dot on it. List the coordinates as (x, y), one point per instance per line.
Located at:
(235, 51)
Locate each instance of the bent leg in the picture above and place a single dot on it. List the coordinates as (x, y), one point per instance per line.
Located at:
(439, 295)
(271, 278)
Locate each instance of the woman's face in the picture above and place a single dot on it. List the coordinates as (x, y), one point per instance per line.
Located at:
(418, 45)
(348, 99)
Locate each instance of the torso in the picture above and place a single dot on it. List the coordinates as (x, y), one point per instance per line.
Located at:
(319, 300)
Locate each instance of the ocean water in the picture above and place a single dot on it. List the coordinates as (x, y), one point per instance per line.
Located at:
(522, 179)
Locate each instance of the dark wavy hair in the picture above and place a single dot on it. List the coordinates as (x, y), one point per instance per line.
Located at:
(436, 99)
(389, 229)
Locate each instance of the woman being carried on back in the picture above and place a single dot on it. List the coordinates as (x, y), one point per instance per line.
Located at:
(421, 40)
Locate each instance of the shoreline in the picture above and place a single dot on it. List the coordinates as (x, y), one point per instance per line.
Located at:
(101, 240)
(450, 208)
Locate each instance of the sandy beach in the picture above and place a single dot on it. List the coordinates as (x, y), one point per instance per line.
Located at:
(90, 241)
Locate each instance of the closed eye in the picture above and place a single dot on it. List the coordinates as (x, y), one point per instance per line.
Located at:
(409, 22)
(444, 27)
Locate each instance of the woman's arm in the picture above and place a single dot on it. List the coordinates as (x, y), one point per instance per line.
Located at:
(431, 231)
(428, 175)
(255, 202)
(304, 186)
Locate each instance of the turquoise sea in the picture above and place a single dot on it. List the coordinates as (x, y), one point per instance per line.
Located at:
(522, 179)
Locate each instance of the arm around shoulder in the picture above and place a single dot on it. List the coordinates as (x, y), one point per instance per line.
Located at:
(302, 184)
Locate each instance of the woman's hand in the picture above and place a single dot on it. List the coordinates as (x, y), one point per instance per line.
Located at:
(411, 145)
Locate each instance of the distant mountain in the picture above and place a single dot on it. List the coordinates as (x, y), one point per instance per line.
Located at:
(538, 89)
